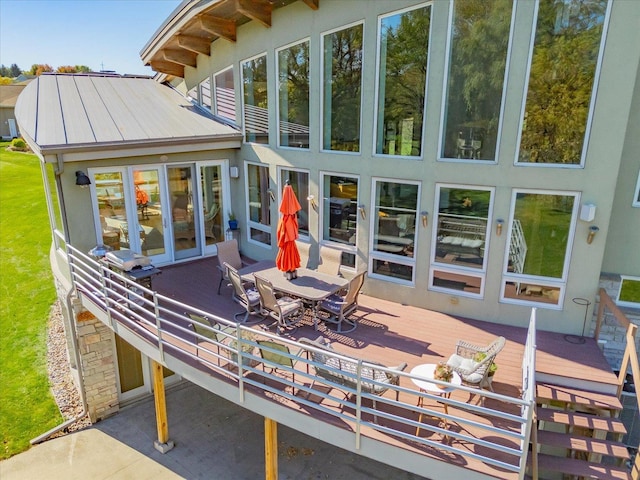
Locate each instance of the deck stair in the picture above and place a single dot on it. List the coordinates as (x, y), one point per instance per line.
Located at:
(579, 434)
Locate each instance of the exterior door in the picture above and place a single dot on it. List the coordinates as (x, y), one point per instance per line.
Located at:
(185, 205)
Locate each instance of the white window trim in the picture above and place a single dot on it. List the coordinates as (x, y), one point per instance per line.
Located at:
(636, 197)
(250, 223)
(480, 273)
(397, 259)
(214, 105)
(623, 303)
(364, 61)
(352, 249)
(377, 87)
(280, 170)
(560, 283)
(277, 74)
(244, 127)
(592, 101)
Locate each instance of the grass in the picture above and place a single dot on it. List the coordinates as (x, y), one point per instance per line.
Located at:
(27, 407)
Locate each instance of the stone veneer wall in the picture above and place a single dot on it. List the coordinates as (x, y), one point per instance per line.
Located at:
(96, 346)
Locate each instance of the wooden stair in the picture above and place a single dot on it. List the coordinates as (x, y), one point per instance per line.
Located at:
(579, 434)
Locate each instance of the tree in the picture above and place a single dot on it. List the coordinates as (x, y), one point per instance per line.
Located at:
(71, 69)
(39, 68)
(15, 70)
(5, 80)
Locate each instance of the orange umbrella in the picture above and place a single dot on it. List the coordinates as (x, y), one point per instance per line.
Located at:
(288, 258)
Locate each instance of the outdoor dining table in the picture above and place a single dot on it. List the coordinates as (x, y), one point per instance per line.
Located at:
(310, 285)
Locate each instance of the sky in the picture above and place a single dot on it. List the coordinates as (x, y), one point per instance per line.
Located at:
(101, 34)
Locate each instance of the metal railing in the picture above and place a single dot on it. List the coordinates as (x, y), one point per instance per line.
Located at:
(230, 352)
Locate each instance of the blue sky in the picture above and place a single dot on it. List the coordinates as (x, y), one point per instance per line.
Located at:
(101, 34)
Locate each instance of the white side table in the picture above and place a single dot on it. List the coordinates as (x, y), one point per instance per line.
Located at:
(425, 371)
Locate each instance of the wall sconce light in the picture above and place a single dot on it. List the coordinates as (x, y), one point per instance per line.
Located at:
(82, 179)
(312, 201)
(425, 218)
(363, 214)
(272, 195)
(592, 233)
(499, 223)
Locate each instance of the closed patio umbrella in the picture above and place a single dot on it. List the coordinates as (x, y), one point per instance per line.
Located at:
(288, 259)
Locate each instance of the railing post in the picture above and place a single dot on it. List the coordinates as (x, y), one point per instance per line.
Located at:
(156, 313)
(358, 402)
(270, 449)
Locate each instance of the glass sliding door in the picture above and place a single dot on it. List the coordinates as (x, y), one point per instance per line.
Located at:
(184, 204)
(212, 201)
(148, 183)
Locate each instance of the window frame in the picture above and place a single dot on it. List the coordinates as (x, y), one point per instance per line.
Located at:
(538, 280)
(381, 17)
(303, 200)
(250, 223)
(434, 265)
(201, 95)
(277, 73)
(391, 257)
(636, 197)
(242, 94)
(214, 101)
(323, 35)
(624, 303)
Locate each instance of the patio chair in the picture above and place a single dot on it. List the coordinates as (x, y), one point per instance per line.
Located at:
(249, 298)
(303, 249)
(472, 362)
(285, 310)
(341, 307)
(278, 355)
(228, 252)
(215, 332)
(329, 261)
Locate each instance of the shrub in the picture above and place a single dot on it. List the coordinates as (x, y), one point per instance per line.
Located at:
(19, 145)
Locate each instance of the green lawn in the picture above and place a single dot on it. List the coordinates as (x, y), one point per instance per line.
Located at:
(27, 407)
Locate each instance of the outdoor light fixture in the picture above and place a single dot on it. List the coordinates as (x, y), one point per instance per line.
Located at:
(363, 214)
(499, 223)
(82, 179)
(592, 233)
(312, 201)
(425, 218)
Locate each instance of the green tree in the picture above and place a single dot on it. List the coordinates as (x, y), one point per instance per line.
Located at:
(39, 68)
(15, 71)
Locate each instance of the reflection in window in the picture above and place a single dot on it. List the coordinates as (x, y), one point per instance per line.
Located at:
(342, 86)
(109, 189)
(259, 212)
(225, 97)
(629, 294)
(293, 96)
(299, 181)
(561, 81)
(541, 229)
(479, 43)
(340, 207)
(394, 229)
(205, 93)
(403, 47)
(212, 204)
(256, 106)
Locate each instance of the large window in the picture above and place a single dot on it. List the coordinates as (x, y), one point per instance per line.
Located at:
(299, 181)
(224, 94)
(256, 106)
(340, 215)
(461, 231)
(394, 216)
(342, 89)
(403, 45)
(259, 213)
(205, 93)
(561, 81)
(540, 234)
(475, 84)
(629, 293)
(293, 96)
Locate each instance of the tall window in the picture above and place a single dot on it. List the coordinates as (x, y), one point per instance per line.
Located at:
(256, 106)
(340, 215)
(205, 93)
(477, 62)
(561, 81)
(541, 231)
(293, 96)
(394, 215)
(403, 44)
(299, 181)
(224, 94)
(342, 88)
(258, 204)
(461, 230)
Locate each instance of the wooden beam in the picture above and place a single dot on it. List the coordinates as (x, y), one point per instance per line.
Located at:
(169, 68)
(181, 57)
(312, 4)
(162, 444)
(270, 449)
(258, 10)
(195, 44)
(220, 27)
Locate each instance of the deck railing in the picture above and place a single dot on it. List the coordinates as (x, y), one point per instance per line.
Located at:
(229, 352)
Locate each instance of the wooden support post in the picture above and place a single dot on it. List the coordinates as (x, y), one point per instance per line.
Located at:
(163, 444)
(270, 449)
